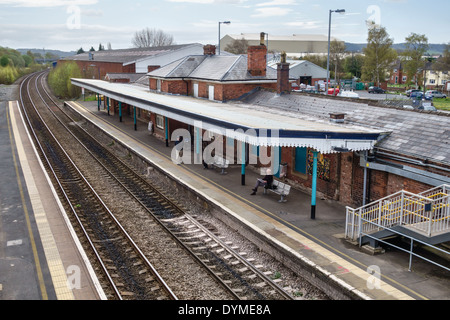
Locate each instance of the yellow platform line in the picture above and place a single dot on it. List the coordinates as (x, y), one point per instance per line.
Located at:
(166, 164)
(53, 258)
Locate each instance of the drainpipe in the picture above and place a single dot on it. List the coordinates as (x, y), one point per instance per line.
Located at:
(365, 180)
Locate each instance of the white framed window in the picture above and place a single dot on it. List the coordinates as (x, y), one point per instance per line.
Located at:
(159, 121)
(432, 81)
(404, 78)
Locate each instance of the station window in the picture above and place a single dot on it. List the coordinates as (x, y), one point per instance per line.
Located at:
(159, 121)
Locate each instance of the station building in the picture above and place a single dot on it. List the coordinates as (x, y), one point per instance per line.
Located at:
(350, 151)
(96, 64)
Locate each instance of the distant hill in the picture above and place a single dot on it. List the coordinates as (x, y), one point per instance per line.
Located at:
(58, 53)
(433, 48)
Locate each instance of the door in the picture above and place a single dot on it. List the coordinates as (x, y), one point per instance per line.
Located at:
(211, 92)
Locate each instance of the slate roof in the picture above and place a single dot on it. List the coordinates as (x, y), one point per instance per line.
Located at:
(215, 67)
(126, 56)
(425, 135)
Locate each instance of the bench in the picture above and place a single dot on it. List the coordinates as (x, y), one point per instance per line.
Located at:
(220, 163)
(279, 188)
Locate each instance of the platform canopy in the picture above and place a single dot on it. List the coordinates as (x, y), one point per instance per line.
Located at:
(246, 123)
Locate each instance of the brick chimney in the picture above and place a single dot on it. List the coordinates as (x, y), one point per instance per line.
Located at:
(209, 50)
(257, 58)
(283, 85)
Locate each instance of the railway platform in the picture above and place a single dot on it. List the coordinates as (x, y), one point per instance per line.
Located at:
(39, 257)
(320, 241)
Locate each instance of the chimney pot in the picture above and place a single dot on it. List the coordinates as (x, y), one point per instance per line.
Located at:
(283, 85)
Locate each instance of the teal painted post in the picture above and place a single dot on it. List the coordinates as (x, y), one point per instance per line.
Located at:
(120, 111)
(314, 186)
(243, 165)
(135, 119)
(197, 143)
(98, 102)
(107, 104)
(166, 127)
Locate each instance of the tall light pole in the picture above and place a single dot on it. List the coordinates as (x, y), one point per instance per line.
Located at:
(220, 22)
(342, 11)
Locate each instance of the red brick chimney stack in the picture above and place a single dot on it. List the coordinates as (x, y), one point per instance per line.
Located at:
(209, 50)
(283, 85)
(257, 58)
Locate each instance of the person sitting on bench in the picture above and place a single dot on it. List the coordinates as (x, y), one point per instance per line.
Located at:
(265, 182)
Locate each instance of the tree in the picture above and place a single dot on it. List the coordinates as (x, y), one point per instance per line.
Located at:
(151, 38)
(379, 54)
(59, 80)
(353, 65)
(237, 46)
(416, 46)
(92, 49)
(337, 51)
(4, 61)
(443, 63)
(80, 50)
(101, 47)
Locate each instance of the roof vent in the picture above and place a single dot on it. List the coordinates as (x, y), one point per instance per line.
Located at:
(337, 117)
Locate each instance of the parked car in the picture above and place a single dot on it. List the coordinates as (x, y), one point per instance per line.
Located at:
(376, 90)
(408, 92)
(435, 94)
(416, 95)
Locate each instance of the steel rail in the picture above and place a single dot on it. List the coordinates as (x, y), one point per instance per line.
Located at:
(165, 198)
(135, 247)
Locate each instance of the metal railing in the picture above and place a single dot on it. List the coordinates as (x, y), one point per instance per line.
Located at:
(427, 213)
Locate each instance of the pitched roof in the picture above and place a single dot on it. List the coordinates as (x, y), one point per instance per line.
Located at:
(294, 37)
(425, 135)
(126, 56)
(215, 67)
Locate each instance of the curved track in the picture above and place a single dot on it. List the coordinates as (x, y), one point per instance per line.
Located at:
(231, 269)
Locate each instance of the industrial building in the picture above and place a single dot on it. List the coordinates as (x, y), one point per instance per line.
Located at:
(296, 45)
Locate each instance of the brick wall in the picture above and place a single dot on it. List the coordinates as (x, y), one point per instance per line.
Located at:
(257, 60)
(91, 69)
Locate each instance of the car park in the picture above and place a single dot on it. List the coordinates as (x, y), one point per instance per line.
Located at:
(376, 90)
(435, 94)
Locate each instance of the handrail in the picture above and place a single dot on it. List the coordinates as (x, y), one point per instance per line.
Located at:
(428, 214)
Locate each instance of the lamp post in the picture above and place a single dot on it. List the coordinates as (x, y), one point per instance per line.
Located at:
(224, 22)
(342, 11)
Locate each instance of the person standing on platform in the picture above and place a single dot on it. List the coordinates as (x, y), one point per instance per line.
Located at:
(265, 182)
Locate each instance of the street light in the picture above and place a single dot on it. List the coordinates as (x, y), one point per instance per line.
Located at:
(224, 22)
(341, 11)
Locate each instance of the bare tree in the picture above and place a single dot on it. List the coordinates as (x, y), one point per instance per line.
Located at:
(237, 46)
(151, 38)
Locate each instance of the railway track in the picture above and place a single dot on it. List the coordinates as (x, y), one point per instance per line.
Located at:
(232, 269)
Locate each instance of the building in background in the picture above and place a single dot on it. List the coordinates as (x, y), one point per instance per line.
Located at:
(296, 45)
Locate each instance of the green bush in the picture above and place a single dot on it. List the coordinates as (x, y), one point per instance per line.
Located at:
(8, 75)
(59, 80)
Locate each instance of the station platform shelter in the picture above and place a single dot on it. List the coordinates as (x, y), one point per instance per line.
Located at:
(316, 237)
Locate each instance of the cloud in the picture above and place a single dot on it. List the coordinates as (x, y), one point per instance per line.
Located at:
(46, 3)
(308, 25)
(277, 3)
(270, 12)
(208, 1)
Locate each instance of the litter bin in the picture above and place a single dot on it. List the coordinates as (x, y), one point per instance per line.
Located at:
(283, 170)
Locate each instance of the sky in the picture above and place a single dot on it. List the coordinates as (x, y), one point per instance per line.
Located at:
(68, 25)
